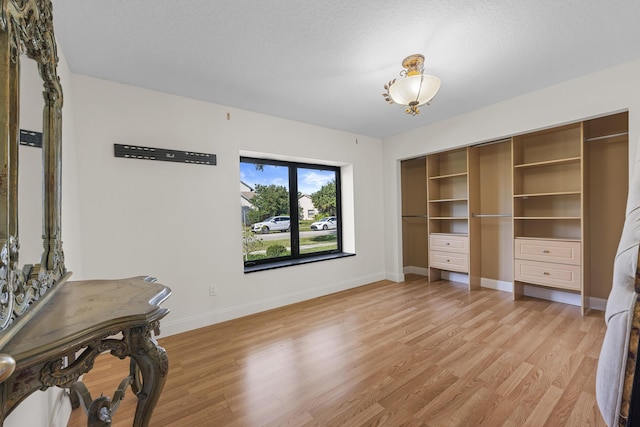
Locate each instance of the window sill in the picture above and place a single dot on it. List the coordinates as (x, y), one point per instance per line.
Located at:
(292, 262)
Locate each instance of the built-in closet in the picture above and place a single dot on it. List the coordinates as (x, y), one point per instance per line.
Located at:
(549, 197)
(607, 147)
(541, 210)
(413, 175)
(448, 213)
(491, 218)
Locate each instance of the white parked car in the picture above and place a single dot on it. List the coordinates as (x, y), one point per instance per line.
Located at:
(274, 223)
(327, 223)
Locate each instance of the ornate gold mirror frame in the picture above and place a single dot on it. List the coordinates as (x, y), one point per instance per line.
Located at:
(48, 344)
(26, 27)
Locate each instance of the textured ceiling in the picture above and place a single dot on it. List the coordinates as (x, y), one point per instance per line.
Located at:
(326, 62)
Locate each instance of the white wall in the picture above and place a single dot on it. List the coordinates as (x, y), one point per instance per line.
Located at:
(180, 223)
(597, 94)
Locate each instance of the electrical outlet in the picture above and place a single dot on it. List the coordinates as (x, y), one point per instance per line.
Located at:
(213, 291)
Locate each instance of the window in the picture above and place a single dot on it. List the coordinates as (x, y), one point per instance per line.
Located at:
(274, 196)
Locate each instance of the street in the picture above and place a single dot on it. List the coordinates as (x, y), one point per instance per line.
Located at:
(276, 235)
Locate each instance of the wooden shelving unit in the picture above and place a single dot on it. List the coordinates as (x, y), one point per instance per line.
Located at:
(543, 209)
(548, 210)
(448, 212)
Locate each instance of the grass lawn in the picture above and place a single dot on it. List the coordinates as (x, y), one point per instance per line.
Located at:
(307, 244)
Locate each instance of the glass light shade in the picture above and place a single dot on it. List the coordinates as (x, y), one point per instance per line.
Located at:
(421, 88)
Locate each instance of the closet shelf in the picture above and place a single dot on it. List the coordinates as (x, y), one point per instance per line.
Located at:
(548, 217)
(491, 215)
(552, 239)
(451, 175)
(610, 136)
(458, 218)
(459, 199)
(554, 162)
(555, 193)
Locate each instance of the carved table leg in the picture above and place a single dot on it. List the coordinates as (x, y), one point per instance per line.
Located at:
(134, 373)
(153, 364)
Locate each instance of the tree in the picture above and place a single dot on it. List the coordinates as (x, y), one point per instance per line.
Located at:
(269, 200)
(325, 199)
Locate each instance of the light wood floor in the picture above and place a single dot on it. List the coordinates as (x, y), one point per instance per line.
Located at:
(410, 353)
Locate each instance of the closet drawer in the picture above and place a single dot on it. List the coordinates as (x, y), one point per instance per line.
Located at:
(549, 274)
(449, 261)
(548, 251)
(449, 243)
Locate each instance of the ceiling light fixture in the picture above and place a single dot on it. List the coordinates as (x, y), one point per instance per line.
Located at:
(415, 89)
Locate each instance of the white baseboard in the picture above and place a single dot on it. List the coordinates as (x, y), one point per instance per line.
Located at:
(599, 304)
(455, 277)
(552, 295)
(545, 293)
(498, 285)
(533, 291)
(410, 269)
(229, 313)
(563, 297)
(395, 277)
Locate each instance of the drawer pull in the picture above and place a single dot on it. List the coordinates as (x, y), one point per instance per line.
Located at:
(546, 251)
(545, 273)
(448, 260)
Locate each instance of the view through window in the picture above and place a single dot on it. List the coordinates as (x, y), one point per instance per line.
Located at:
(289, 210)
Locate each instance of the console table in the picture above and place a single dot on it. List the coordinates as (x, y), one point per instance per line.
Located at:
(81, 320)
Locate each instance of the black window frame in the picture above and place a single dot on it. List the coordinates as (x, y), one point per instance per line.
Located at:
(296, 257)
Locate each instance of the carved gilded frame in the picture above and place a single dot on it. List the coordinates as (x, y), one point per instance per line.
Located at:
(26, 27)
(45, 354)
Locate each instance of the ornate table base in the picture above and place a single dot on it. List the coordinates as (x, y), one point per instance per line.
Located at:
(83, 320)
(146, 356)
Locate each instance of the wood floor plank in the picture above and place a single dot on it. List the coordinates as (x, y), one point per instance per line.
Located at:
(497, 414)
(582, 414)
(543, 407)
(387, 354)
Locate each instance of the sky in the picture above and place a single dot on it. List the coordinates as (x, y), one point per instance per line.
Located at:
(309, 180)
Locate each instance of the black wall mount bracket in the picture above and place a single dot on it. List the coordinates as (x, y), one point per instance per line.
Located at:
(31, 138)
(163, 154)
